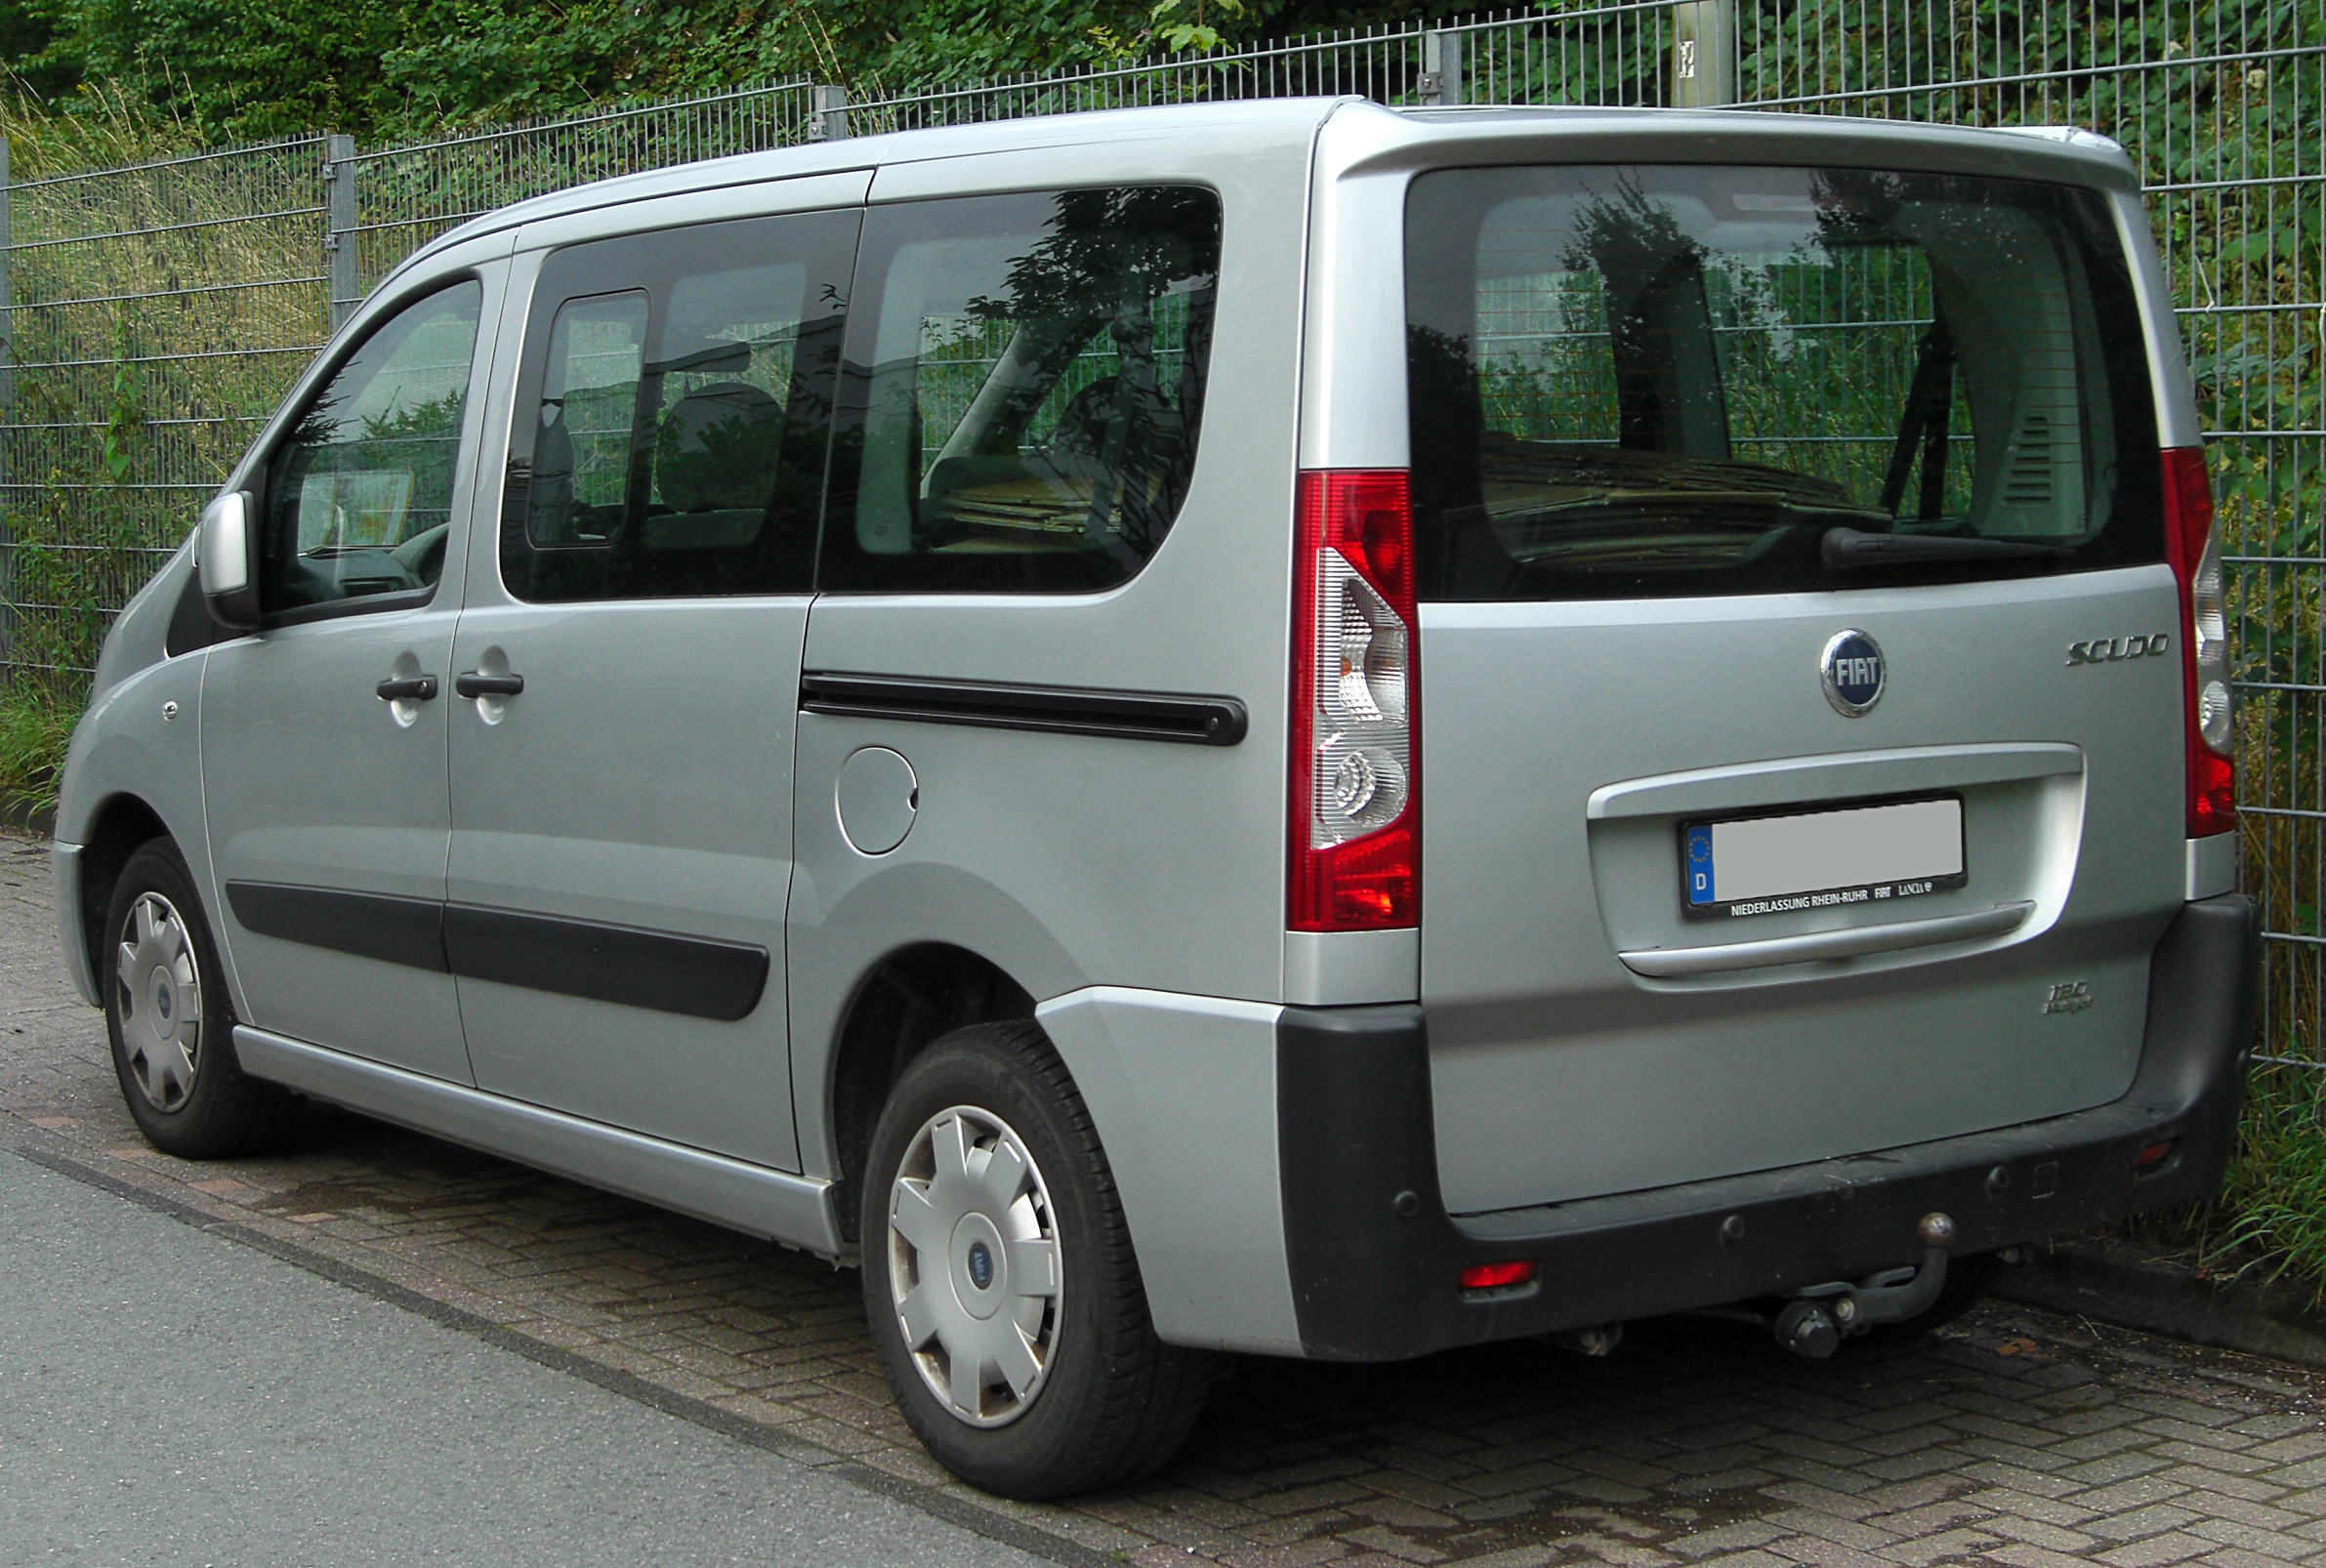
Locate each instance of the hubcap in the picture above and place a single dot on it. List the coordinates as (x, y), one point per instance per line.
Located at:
(161, 998)
(973, 1265)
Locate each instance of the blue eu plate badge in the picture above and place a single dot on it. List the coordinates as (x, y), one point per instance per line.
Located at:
(1700, 863)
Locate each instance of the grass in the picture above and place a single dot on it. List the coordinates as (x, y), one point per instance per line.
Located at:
(35, 726)
(2273, 1204)
(2267, 1223)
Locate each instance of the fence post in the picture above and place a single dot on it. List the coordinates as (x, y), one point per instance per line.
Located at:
(828, 121)
(1441, 67)
(339, 235)
(1703, 53)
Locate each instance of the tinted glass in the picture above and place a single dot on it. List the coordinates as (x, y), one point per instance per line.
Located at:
(359, 496)
(1024, 386)
(1662, 380)
(680, 388)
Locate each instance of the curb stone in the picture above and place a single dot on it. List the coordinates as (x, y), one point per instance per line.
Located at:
(2116, 1282)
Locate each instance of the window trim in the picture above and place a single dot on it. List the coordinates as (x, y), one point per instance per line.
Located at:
(261, 471)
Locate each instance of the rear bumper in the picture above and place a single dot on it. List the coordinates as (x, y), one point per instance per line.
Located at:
(1375, 1258)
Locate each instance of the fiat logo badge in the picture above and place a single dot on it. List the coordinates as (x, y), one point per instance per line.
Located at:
(1852, 671)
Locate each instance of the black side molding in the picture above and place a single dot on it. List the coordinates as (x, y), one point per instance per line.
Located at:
(377, 925)
(692, 976)
(638, 968)
(1195, 721)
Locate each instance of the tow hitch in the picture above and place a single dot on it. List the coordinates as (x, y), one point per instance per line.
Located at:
(1816, 1321)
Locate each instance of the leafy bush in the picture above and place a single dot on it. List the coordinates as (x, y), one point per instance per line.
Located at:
(408, 68)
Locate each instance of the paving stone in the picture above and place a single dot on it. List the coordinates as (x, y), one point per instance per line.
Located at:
(2154, 1552)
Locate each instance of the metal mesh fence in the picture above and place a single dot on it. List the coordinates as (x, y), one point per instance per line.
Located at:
(157, 312)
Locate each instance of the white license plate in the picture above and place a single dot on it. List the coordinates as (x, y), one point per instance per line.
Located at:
(1854, 855)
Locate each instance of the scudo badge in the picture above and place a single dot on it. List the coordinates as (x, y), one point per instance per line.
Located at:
(1854, 673)
(2115, 649)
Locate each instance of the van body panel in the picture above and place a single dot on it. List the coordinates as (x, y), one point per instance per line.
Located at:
(315, 787)
(1158, 1071)
(619, 789)
(1099, 844)
(1560, 1074)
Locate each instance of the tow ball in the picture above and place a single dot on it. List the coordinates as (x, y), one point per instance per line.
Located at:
(1816, 1320)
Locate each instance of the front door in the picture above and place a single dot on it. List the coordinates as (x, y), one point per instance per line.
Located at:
(323, 741)
(626, 675)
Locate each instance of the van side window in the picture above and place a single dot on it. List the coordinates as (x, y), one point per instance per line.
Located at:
(359, 495)
(678, 384)
(1025, 385)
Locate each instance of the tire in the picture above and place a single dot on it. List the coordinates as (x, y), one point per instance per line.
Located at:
(985, 1153)
(160, 972)
(1966, 1282)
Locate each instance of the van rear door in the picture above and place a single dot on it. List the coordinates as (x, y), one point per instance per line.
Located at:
(1768, 816)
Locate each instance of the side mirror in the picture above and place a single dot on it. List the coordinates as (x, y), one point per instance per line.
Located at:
(222, 552)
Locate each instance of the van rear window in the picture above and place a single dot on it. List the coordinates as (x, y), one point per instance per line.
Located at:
(1660, 381)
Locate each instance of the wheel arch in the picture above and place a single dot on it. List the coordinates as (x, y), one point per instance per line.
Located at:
(912, 996)
(116, 830)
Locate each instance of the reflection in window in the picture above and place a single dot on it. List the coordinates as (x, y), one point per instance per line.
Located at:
(1028, 390)
(1672, 380)
(359, 501)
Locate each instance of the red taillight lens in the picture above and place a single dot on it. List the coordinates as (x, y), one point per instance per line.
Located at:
(1496, 1276)
(1354, 825)
(2195, 557)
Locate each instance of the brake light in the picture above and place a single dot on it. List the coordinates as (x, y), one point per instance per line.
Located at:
(2195, 556)
(1354, 825)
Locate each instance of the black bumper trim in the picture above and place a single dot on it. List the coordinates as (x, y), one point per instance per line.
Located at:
(1375, 1258)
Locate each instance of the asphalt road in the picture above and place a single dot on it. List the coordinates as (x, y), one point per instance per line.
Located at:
(171, 1397)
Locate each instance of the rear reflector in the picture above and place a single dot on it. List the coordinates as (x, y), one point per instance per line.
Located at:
(1354, 820)
(2195, 556)
(1495, 1276)
(2154, 1155)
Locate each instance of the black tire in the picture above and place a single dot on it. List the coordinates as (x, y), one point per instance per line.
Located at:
(1966, 1282)
(1113, 1403)
(199, 1105)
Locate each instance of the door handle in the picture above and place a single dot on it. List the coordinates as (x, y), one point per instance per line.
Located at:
(407, 688)
(476, 684)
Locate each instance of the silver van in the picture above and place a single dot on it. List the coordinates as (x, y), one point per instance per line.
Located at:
(1277, 728)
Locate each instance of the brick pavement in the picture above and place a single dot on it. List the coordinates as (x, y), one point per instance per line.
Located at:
(2016, 1438)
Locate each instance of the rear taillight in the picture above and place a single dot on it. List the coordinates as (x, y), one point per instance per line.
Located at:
(2195, 556)
(1356, 819)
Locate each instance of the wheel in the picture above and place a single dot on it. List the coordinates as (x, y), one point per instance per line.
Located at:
(1966, 1282)
(1004, 1298)
(171, 1026)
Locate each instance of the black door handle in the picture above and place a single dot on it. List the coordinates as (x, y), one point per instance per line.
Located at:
(407, 688)
(476, 684)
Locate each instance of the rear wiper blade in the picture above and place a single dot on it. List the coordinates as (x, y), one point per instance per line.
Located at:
(1842, 549)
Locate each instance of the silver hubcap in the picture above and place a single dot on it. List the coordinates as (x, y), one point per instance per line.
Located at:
(161, 1002)
(973, 1265)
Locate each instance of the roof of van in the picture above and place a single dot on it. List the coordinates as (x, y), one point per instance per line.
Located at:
(1291, 121)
